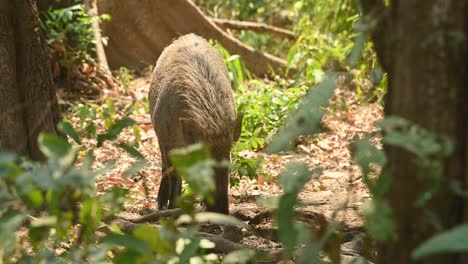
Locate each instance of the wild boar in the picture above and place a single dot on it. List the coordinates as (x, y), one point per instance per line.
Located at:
(191, 101)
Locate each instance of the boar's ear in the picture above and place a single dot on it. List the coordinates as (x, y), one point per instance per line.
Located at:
(237, 127)
(188, 130)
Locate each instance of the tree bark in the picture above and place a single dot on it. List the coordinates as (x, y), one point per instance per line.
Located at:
(28, 104)
(140, 30)
(427, 68)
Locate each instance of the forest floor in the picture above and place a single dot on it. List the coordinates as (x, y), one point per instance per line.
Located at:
(336, 195)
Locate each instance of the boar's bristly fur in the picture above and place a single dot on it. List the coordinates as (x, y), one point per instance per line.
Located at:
(191, 101)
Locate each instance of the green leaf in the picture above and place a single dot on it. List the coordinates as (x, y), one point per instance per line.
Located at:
(454, 240)
(200, 177)
(7, 156)
(128, 242)
(8, 166)
(311, 253)
(56, 148)
(379, 219)
(133, 151)
(153, 239)
(129, 256)
(220, 219)
(88, 160)
(91, 130)
(67, 128)
(189, 251)
(415, 139)
(136, 167)
(366, 155)
(111, 106)
(185, 157)
(359, 45)
(306, 120)
(34, 198)
(118, 126)
(114, 130)
(9, 223)
(84, 112)
(239, 256)
(90, 216)
(53, 146)
(292, 179)
(45, 221)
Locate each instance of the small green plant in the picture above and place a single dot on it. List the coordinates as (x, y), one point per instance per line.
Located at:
(125, 76)
(92, 113)
(265, 107)
(236, 68)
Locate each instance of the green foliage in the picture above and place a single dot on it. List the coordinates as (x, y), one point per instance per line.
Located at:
(306, 119)
(168, 243)
(44, 198)
(49, 195)
(454, 240)
(68, 31)
(269, 12)
(379, 220)
(430, 149)
(57, 198)
(236, 68)
(90, 114)
(246, 167)
(292, 179)
(194, 165)
(264, 107)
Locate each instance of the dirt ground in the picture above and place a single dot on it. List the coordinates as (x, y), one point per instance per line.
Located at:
(336, 195)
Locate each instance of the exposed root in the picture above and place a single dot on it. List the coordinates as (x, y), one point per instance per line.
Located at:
(254, 26)
(156, 216)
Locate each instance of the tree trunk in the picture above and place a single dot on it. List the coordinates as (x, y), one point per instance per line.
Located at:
(28, 104)
(140, 30)
(427, 68)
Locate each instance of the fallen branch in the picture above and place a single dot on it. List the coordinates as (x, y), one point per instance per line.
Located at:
(222, 245)
(253, 26)
(156, 216)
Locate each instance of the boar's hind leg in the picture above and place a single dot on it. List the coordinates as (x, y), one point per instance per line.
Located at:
(164, 186)
(175, 183)
(171, 184)
(163, 193)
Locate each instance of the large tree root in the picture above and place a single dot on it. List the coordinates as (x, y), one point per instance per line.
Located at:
(92, 10)
(222, 245)
(140, 30)
(156, 216)
(253, 26)
(87, 81)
